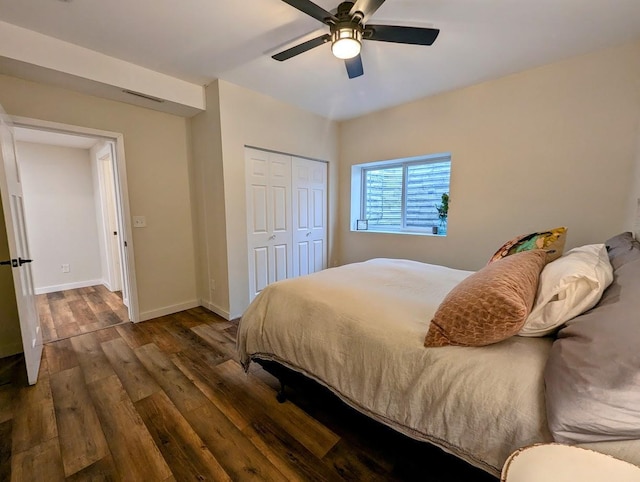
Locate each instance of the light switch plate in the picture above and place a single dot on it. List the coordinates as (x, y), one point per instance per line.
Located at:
(139, 222)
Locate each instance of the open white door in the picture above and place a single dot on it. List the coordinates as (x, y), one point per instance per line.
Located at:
(13, 207)
(124, 262)
(108, 204)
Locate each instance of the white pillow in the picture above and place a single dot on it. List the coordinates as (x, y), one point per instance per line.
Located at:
(569, 286)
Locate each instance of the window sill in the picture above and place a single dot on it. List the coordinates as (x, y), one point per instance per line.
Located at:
(413, 233)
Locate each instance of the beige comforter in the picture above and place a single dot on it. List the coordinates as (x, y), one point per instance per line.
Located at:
(359, 330)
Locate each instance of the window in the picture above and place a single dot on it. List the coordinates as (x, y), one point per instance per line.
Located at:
(400, 195)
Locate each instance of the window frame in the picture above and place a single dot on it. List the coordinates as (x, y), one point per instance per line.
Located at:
(359, 190)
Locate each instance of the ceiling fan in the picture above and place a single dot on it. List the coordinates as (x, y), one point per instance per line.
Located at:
(348, 28)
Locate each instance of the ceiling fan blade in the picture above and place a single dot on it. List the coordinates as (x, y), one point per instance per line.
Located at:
(354, 67)
(366, 7)
(401, 35)
(312, 10)
(301, 48)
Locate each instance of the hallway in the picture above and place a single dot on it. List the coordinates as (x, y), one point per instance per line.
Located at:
(73, 312)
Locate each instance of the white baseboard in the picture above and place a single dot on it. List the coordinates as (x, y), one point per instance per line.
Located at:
(11, 349)
(216, 309)
(168, 310)
(68, 286)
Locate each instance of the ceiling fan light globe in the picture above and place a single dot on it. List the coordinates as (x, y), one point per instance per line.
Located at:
(346, 48)
(346, 42)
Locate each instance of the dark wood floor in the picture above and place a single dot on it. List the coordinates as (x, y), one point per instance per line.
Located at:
(167, 400)
(83, 310)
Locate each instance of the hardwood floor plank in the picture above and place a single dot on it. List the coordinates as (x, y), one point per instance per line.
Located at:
(96, 302)
(188, 319)
(103, 470)
(68, 328)
(6, 428)
(200, 315)
(182, 392)
(109, 318)
(82, 441)
(72, 295)
(34, 419)
(135, 335)
(46, 320)
(193, 345)
(233, 330)
(199, 374)
(217, 338)
(92, 359)
(82, 313)
(291, 457)
(134, 452)
(107, 334)
(60, 311)
(247, 391)
(60, 356)
(112, 300)
(184, 451)
(238, 456)
(41, 462)
(55, 296)
(134, 377)
(161, 337)
(8, 395)
(354, 464)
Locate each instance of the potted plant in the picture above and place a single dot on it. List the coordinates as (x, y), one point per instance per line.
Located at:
(443, 211)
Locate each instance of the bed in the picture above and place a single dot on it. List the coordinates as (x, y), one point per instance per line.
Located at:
(359, 330)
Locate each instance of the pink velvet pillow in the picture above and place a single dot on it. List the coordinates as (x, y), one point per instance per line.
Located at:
(489, 306)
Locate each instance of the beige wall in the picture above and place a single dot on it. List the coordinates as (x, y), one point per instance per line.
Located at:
(61, 219)
(544, 148)
(208, 199)
(252, 119)
(247, 118)
(10, 339)
(156, 150)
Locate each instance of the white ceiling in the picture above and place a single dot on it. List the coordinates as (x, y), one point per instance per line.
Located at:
(200, 40)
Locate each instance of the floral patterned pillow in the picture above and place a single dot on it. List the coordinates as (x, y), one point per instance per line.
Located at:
(551, 241)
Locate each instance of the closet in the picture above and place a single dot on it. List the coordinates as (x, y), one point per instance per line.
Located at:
(286, 217)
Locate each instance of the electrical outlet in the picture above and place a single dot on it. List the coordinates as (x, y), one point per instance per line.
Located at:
(139, 222)
(65, 268)
(212, 284)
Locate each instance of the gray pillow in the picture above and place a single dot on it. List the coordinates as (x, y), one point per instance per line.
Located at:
(592, 376)
(622, 249)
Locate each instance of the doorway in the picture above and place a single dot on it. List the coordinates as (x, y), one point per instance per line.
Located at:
(87, 277)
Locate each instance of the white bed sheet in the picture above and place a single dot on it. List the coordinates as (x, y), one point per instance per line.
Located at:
(359, 330)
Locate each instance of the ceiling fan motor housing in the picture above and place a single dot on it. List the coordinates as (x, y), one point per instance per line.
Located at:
(348, 25)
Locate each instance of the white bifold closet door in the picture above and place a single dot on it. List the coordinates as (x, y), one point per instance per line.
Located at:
(286, 217)
(309, 188)
(268, 218)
